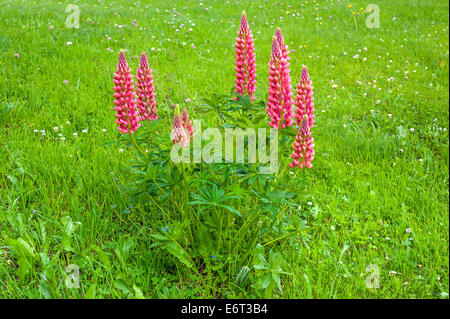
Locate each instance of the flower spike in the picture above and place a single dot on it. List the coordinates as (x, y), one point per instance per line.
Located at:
(178, 131)
(304, 152)
(124, 99)
(274, 106)
(245, 60)
(145, 91)
(280, 106)
(285, 79)
(187, 124)
(304, 99)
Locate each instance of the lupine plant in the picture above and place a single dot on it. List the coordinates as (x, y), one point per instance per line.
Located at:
(202, 209)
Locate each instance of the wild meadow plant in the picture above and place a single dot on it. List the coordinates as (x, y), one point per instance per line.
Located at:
(218, 218)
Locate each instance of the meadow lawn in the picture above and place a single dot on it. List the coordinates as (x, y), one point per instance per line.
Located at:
(378, 192)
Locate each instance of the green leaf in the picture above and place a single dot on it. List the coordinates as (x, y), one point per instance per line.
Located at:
(277, 280)
(90, 294)
(44, 291)
(266, 282)
(26, 247)
(121, 285)
(259, 250)
(175, 249)
(103, 256)
(23, 269)
(231, 209)
(138, 293)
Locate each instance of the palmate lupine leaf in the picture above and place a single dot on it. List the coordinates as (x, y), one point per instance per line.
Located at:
(214, 197)
(174, 248)
(271, 200)
(268, 272)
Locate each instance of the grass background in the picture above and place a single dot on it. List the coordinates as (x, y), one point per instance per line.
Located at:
(381, 116)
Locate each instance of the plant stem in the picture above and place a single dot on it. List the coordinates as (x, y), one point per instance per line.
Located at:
(279, 238)
(133, 141)
(186, 198)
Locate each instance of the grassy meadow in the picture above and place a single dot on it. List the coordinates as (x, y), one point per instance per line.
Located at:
(378, 192)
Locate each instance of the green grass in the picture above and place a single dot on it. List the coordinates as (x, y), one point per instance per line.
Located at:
(383, 145)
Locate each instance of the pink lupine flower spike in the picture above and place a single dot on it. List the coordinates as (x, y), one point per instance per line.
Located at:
(127, 116)
(187, 124)
(274, 105)
(145, 91)
(285, 79)
(178, 131)
(303, 153)
(280, 106)
(304, 99)
(245, 60)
